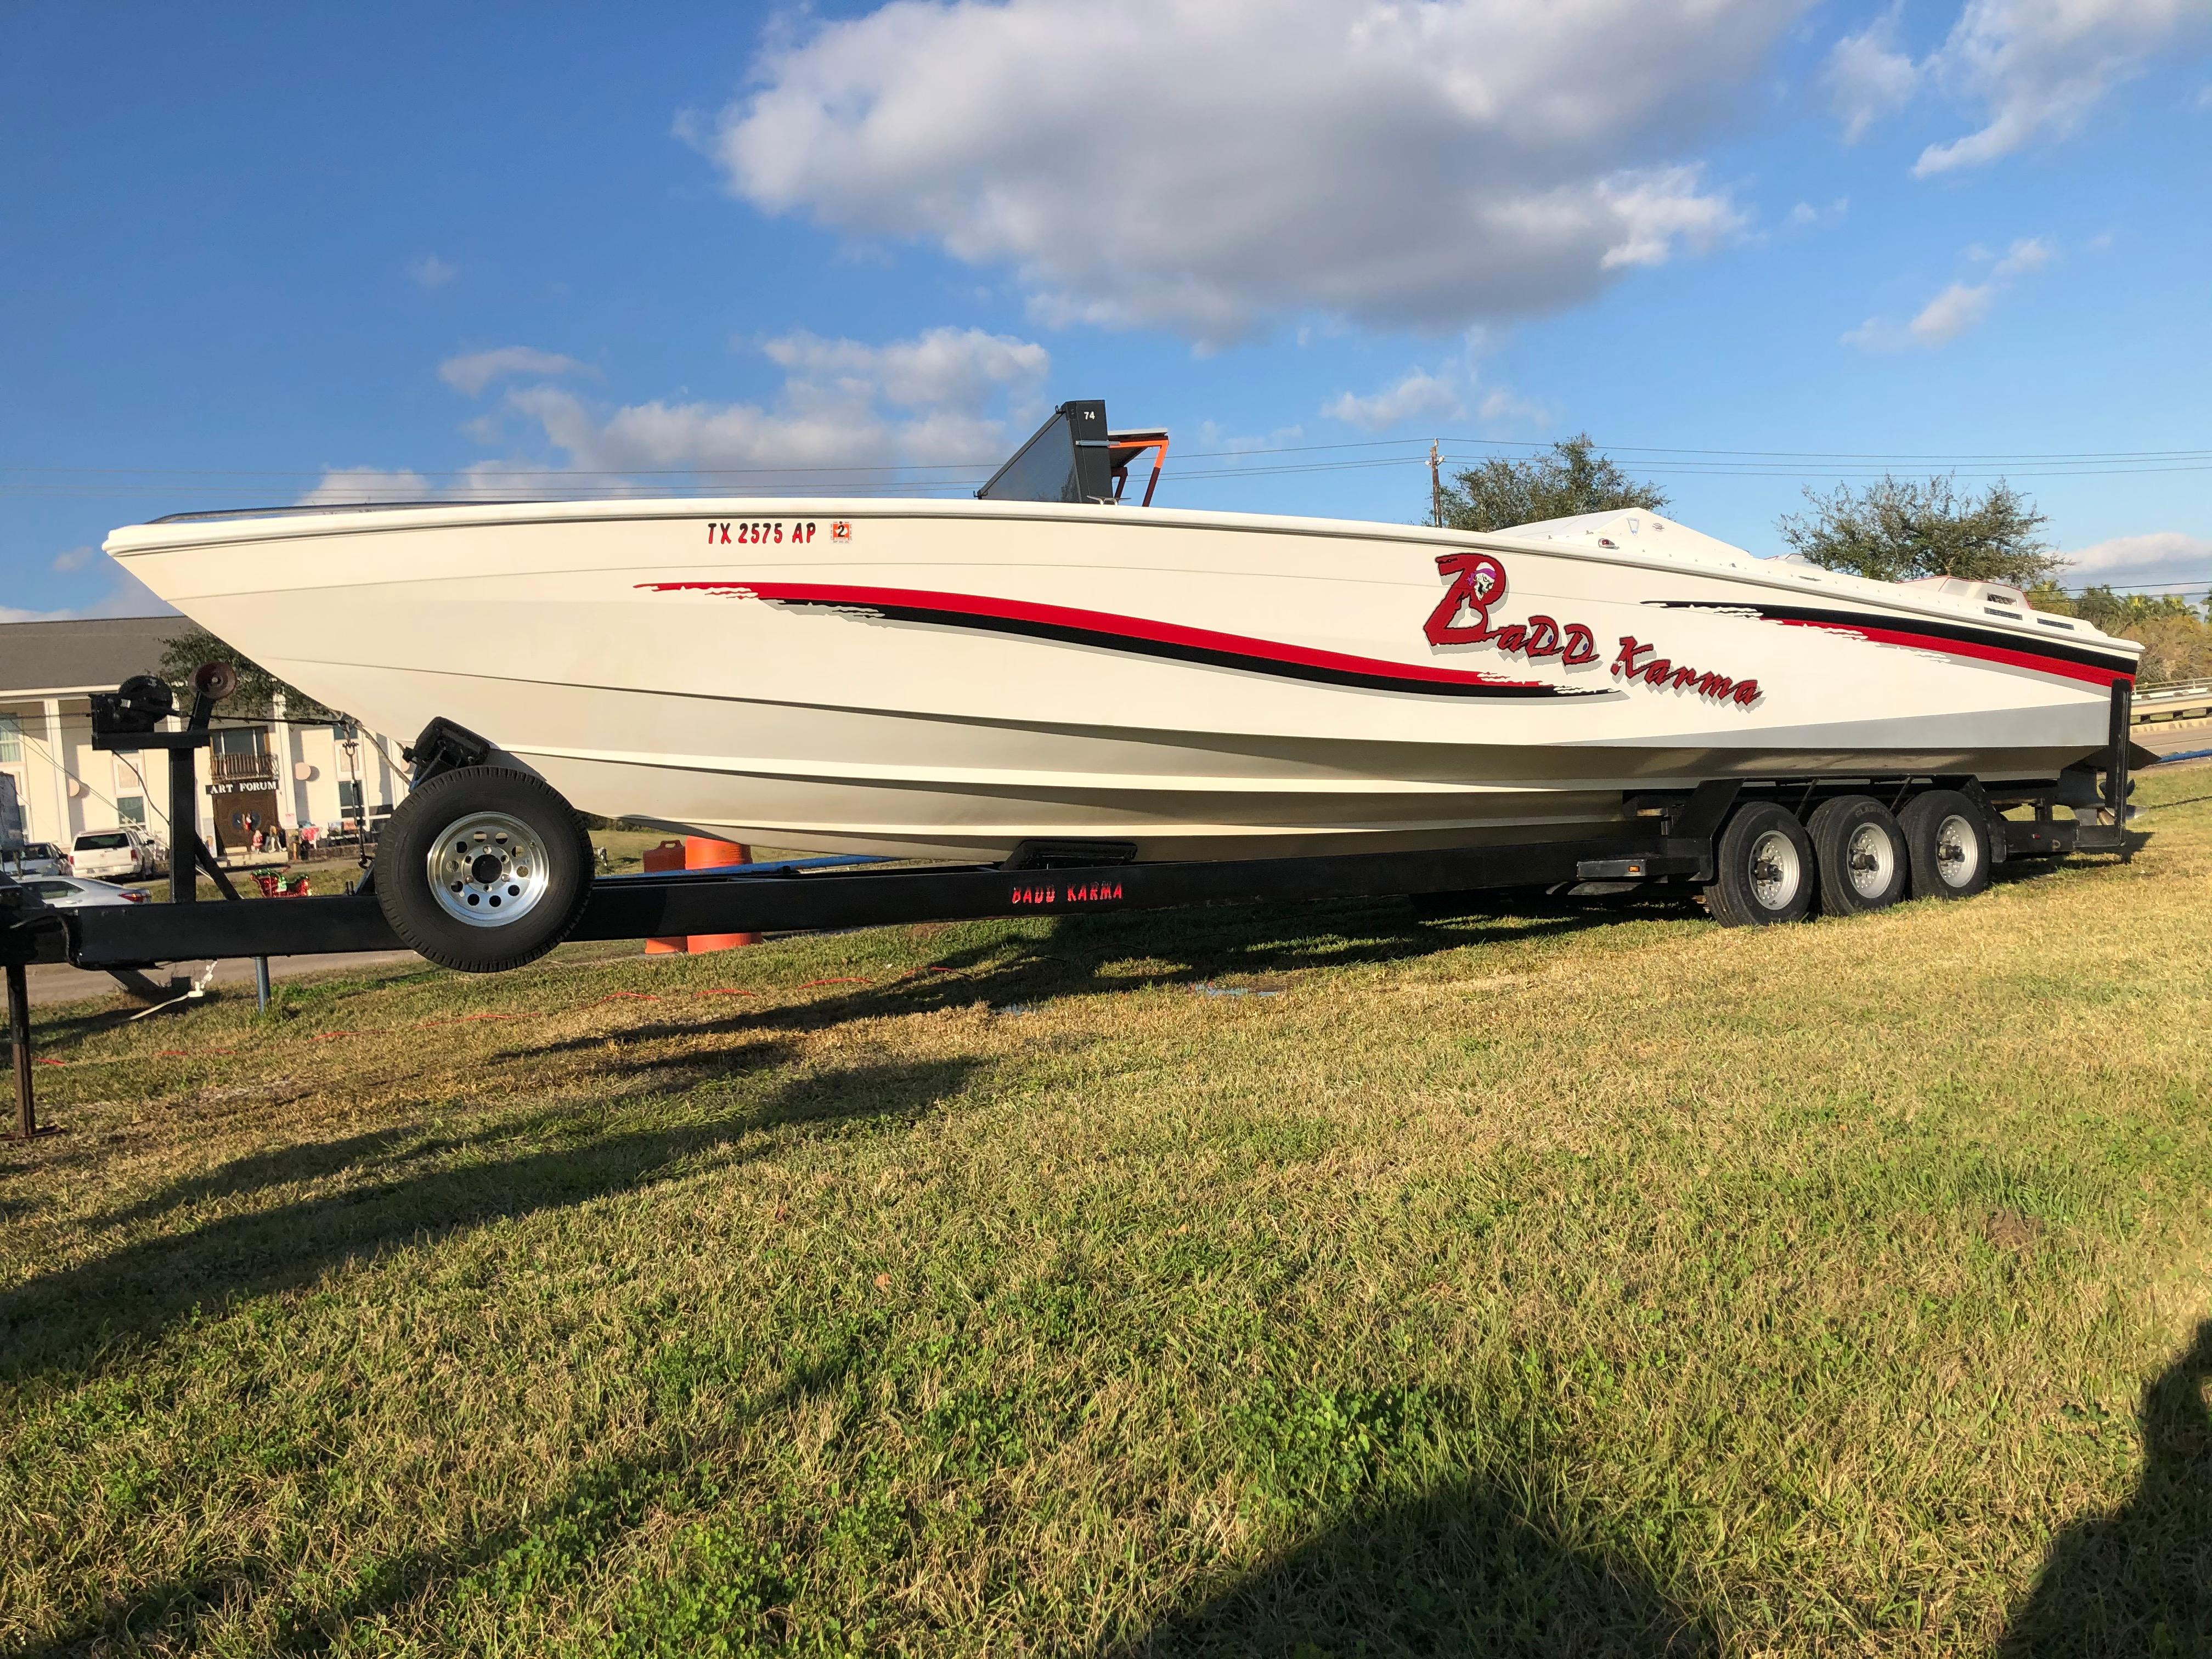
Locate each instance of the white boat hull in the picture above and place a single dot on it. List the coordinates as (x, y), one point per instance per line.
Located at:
(949, 679)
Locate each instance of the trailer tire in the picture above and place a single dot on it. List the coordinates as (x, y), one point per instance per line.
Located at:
(484, 868)
(1862, 855)
(1763, 869)
(1947, 842)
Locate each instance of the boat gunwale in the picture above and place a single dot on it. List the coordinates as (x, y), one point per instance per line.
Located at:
(250, 526)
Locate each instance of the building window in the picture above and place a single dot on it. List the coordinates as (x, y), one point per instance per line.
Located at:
(242, 756)
(11, 736)
(131, 809)
(348, 798)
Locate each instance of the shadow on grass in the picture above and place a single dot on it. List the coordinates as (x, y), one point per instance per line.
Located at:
(1183, 948)
(49, 1028)
(1463, 1571)
(1179, 948)
(72, 1320)
(2138, 1580)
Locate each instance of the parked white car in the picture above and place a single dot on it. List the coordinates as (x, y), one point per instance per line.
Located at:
(73, 893)
(36, 858)
(129, 853)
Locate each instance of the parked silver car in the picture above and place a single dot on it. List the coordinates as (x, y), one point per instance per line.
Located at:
(36, 858)
(74, 893)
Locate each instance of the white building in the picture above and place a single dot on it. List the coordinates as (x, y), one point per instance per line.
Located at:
(277, 771)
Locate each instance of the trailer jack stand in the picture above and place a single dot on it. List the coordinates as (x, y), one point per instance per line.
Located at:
(19, 1037)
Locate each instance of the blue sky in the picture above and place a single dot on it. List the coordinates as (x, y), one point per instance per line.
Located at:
(263, 255)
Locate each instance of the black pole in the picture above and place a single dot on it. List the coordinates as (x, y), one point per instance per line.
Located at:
(184, 826)
(2116, 783)
(19, 1035)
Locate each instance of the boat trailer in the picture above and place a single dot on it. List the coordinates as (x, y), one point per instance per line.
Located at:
(1674, 847)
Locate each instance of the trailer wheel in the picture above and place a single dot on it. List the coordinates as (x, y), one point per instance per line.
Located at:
(484, 868)
(1862, 855)
(1763, 869)
(1948, 845)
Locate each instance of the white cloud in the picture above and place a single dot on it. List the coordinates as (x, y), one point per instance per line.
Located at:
(1958, 309)
(1500, 407)
(480, 481)
(1213, 439)
(938, 366)
(74, 559)
(946, 396)
(1868, 77)
(473, 371)
(1208, 168)
(1876, 334)
(1961, 306)
(2028, 253)
(430, 272)
(342, 485)
(2038, 67)
(2035, 68)
(1418, 396)
(1806, 216)
(1445, 393)
(2171, 555)
(126, 596)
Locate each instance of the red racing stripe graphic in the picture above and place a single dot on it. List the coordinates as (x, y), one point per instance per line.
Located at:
(1135, 634)
(2042, 664)
(2070, 659)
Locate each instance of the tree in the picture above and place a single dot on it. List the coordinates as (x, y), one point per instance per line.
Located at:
(1901, 530)
(257, 688)
(1572, 478)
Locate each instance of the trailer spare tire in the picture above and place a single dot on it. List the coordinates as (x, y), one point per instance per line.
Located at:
(1763, 869)
(1948, 841)
(1862, 855)
(484, 868)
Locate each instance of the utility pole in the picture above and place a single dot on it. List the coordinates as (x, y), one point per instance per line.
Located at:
(1435, 488)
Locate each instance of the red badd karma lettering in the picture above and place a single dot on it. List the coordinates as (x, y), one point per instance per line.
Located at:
(1478, 585)
(1661, 674)
(1096, 892)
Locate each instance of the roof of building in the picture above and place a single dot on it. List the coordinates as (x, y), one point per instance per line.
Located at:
(92, 654)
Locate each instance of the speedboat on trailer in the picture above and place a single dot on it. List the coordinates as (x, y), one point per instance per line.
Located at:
(1049, 667)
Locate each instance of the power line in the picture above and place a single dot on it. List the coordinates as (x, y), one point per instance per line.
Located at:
(2025, 458)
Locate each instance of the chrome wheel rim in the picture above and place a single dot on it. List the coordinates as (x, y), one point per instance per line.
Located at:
(1776, 870)
(1870, 857)
(1958, 851)
(488, 869)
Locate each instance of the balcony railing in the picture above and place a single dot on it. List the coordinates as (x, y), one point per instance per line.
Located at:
(243, 769)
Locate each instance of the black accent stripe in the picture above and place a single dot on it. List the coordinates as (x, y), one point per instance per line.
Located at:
(2038, 644)
(1178, 651)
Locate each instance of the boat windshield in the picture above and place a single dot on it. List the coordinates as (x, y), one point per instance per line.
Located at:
(1066, 460)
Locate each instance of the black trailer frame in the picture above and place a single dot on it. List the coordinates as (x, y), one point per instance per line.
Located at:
(1675, 846)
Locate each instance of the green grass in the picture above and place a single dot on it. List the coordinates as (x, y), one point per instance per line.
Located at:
(1572, 1282)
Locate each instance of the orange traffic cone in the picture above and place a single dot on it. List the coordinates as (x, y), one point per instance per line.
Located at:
(669, 855)
(702, 853)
